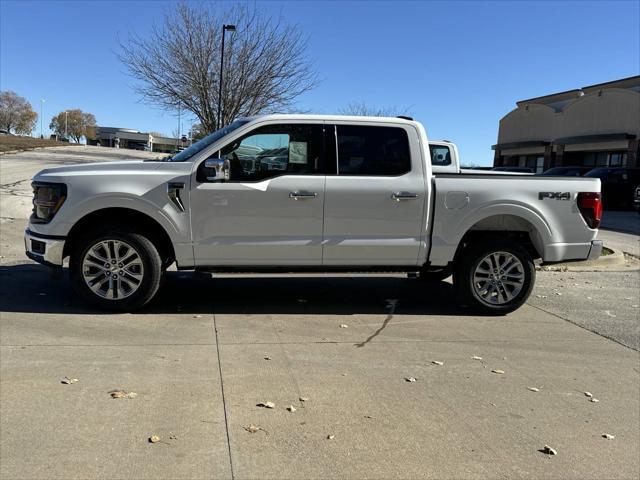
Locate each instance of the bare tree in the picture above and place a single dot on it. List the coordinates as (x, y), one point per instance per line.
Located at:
(364, 110)
(75, 123)
(16, 113)
(178, 65)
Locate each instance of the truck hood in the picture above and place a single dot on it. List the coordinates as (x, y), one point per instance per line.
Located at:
(102, 168)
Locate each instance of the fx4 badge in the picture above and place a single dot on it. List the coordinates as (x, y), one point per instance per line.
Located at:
(554, 195)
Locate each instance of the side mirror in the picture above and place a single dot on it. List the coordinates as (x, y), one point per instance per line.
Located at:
(216, 170)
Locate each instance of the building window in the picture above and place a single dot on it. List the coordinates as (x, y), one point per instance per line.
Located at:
(617, 159)
(539, 164)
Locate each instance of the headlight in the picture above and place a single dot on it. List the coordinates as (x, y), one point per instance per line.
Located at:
(47, 200)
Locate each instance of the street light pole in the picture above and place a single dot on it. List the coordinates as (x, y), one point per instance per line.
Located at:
(66, 123)
(41, 116)
(230, 28)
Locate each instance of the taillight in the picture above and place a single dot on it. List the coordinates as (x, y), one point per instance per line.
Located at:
(590, 205)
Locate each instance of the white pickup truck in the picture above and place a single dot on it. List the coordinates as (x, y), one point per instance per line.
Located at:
(308, 193)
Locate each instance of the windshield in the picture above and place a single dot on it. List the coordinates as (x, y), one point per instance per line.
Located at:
(598, 172)
(200, 145)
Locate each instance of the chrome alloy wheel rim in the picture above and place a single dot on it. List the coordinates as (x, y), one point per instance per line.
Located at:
(498, 278)
(112, 269)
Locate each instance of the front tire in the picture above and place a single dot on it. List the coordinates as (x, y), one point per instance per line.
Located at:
(115, 270)
(494, 276)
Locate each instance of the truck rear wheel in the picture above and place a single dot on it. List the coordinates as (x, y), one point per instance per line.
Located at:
(494, 276)
(116, 271)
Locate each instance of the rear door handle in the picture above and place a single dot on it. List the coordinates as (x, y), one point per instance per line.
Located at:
(301, 195)
(400, 196)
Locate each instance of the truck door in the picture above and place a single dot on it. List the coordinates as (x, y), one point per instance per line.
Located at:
(374, 201)
(267, 207)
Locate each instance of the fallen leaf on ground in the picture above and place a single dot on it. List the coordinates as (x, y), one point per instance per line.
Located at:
(588, 394)
(304, 399)
(344, 325)
(154, 439)
(533, 389)
(252, 428)
(549, 451)
(173, 437)
(612, 315)
(607, 436)
(330, 437)
(497, 370)
(122, 394)
(437, 362)
(267, 358)
(559, 294)
(197, 316)
(409, 379)
(266, 404)
(594, 400)
(475, 357)
(69, 381)
(291, 408)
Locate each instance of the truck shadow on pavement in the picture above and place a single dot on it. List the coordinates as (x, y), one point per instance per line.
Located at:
(30, 288)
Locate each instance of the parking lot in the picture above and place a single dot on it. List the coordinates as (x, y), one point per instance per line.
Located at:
(489, 392)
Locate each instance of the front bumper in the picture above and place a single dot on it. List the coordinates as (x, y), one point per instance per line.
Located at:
(44, 249)
(596, 250)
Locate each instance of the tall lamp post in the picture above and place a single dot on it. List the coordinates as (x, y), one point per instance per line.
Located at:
(41, 116)
(225, 28)
(66, 123)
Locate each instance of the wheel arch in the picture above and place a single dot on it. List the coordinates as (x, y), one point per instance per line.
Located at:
(123, 217)
(505, 226)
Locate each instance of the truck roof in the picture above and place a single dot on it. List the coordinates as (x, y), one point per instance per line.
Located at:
(330, 118)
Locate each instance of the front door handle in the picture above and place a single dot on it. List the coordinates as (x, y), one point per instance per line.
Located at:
(400, 196)
(300, 195)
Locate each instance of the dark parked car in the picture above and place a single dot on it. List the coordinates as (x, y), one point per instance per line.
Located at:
(513, 169)
(567, 171)
(636, 199)
(618, 185)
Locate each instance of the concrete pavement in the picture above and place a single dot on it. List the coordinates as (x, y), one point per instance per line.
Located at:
(197, 358)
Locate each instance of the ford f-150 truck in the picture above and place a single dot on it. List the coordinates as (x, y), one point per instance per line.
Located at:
(307, 193)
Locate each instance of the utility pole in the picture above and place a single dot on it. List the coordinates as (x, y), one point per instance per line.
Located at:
(41, 116)
(66, 123)
(225, 28)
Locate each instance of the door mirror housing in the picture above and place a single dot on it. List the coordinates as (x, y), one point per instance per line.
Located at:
(216, 170)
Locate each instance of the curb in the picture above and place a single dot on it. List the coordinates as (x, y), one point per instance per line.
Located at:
(602, 264)
(30, 149)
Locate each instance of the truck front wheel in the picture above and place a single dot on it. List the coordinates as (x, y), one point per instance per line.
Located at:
(114, 270)
(494, 276)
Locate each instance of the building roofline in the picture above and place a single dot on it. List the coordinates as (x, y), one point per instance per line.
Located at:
(578, 92)
(633, 80)
(575, 93)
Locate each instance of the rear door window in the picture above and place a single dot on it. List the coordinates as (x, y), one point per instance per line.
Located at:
(440, 155)
(373, 151)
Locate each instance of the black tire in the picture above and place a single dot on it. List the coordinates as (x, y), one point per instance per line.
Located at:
(470, 293)
(152, 270)
(435, 275)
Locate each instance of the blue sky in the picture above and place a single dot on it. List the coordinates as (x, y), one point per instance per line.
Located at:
(457, 66)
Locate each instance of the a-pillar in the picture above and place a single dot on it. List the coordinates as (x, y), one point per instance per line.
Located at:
(559, 162)
(633, 154)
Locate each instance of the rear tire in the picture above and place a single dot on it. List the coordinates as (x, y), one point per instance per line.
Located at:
(494, 276)
(114, 270)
